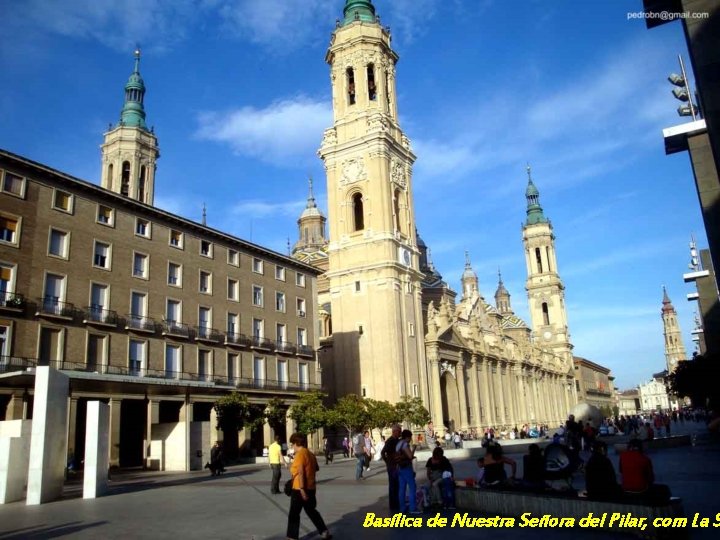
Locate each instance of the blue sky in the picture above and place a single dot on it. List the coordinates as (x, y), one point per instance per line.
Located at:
(239, 94)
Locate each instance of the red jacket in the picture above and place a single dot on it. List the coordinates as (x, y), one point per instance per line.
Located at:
(637, 471)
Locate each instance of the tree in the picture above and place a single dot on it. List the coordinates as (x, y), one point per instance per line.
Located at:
(235, 412)
(412, 411)
(275, 413)
(698, 380)
(381, 414)
(309, 413)
(350, 412)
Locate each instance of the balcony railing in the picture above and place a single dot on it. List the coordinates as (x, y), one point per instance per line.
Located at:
(139, 323)
(240, 340)
(286, 347)
(305, 350)
(96, 314)
(204, 333)
(263, 343)
(15, 363)
(172, 328)
(11, 300)
(51, 305)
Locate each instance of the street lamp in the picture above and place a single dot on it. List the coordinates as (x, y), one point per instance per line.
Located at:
(682, 92)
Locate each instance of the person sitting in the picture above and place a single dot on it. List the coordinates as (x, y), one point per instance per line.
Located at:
(534, 468)
(494, 468)
(638, 477)
(600, 481)
(440, 479)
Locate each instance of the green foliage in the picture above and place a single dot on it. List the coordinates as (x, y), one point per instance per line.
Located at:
(309, 413)
(412, 411)
(698, 380)
(381, 414)
(351, 412)
(275, 413)
(235, 412)
(616, 411)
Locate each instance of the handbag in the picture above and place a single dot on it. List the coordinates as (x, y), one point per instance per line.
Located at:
(288, 487)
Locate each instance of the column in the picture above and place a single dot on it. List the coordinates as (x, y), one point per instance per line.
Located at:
(71, 424)
(460, 370)
(115, 432)
(289, 427)
(474, 391)
(152, 416)
(267, 434)
(186, 415)
(499, 393)
(489, 394)
(17, 408)
(522, 406)
(436, 405)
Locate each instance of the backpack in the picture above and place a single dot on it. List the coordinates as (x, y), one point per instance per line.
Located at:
(399, 459)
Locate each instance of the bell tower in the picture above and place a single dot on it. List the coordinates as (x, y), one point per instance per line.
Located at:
(130, 150)
(378, 342)
(546, 292)
(674, 346)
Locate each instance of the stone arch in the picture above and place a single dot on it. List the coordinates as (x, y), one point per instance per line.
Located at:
(450, 397)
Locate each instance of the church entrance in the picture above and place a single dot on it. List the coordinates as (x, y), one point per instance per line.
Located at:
(450, 401)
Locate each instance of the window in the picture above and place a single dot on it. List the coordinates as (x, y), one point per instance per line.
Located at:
(358, 215)
(232, 370)
(300, 279)
(415, 390)
(357, 286)
(13, 184)
(233, 323)
(350, 81)
(547, 256)
(233, 289)
(281, 332)
(58, 244)
(105, 215)
(205, 282)
(372, 89)
(142, 227)
(62, 201)
(98, 302)
(7, 285)
(140, 265)
(204, 365)
(396, 208)
(172, 361)
(280, 273)
(259, 371)
(174, 274)
(545, 313)
(258, 327)
(205, 248)
(300, 304)
(204, 317)
(257, 296)
(101, 255)
(95, 359)
(411, 329)
(282, 373)
(280, 301)
(303, 375)
(9, 230)
(138, 305)
(301, 336)
(51, 344)
(4, 343)
(173, 312)
(54, 295)
(176, 239)
(136, 357)
(125, 179)
(538, 260)
(257, 266)
(233, 257)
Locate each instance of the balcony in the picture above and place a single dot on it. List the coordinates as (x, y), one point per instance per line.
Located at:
(138, 323)
(15, 363)
(11, 301)
(99, 316)
(51, 306)
(65, 365)
(305, 350)
(237, 340)
(263, 343)
(175, 329)
(286, 347)
(203, 333)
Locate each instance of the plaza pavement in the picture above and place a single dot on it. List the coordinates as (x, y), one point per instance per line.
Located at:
(239, 505)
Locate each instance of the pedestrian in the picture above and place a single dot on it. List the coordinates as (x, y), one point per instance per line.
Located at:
(430, 436)
(275, 460)
(346, 447)
(303, 470)
(358, 448)
(326, 451)
(369, 450)
(216, 460)
(406, 475)
(388, 456)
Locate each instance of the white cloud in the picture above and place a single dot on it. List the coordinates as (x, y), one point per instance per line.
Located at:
(286, 129)
(620, 257)
(263, 209)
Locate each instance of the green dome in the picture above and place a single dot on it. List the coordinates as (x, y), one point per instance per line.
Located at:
(362, 10)
(133, 111)
(534, 210)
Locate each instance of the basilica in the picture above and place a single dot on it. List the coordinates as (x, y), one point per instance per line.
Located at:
(390, 326)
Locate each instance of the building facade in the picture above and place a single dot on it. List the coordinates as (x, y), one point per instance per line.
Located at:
(654, 396)
(390, 325)
(153, 313)
(595, 385)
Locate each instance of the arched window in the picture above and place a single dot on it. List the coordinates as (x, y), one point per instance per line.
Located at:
(305, 234)
(110, 176)
(372, 89)
(358, 214)
(125, 183)
(546, 315)
(350, 73)
(547, 253)
(538, 259)
(141, 185)
(396, 210)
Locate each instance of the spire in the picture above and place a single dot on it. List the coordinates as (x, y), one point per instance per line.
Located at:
(204, 215)
(667, 304)
(311, 198)
(133, 112)
(534, 210)
(502, 297)
(469, 279)
(358, 10)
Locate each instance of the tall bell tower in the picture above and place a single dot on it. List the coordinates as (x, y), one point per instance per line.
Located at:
(546, 292)
(378, 342)
(674, 346)
(130, 150)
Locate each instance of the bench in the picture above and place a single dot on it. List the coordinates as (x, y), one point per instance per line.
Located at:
(516, 503)
(657, 444)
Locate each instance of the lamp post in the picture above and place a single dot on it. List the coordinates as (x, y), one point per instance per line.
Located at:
(682, 92)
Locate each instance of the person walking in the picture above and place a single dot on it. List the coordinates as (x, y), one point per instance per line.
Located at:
(275, 460)
(303, 496)
(388, 456)
(406, 475)
(358, 447)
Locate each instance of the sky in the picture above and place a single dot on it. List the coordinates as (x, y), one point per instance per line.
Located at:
(238, 93)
